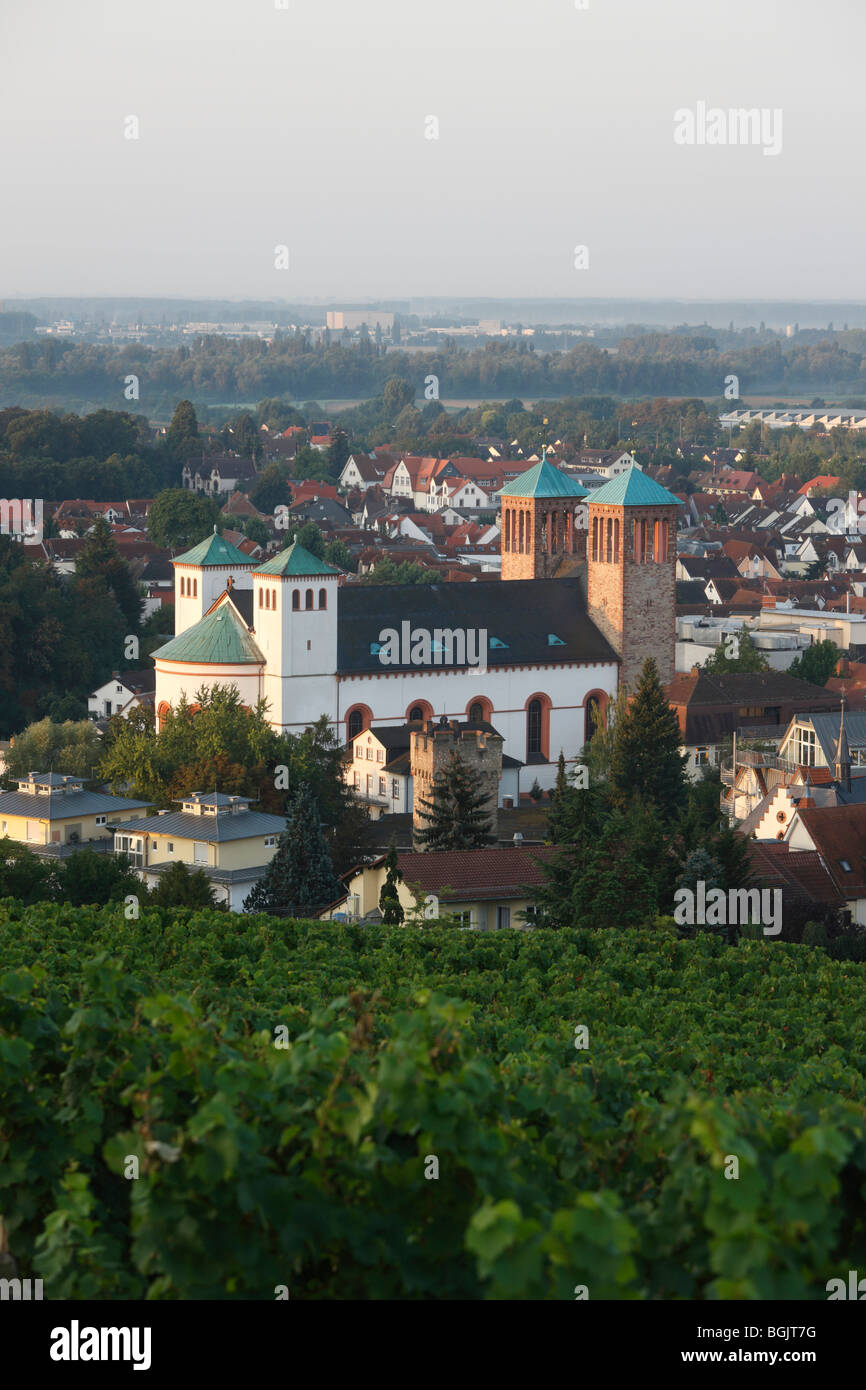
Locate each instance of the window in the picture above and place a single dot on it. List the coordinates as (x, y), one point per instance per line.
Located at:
(100, 820)
(296, 600)
(270, 840)
(382, 791)
(195, 588)
(369, 755)
(416, 712)
(357, 781)
(355, 723)
(395, 789)
(463, 919)
(702, 757)
(261, 598)
(845, 865)
(169, 847)
(476, 713)
(323, 598)
(308, 599)
(503, 916)
(533, 727)
(380, 756)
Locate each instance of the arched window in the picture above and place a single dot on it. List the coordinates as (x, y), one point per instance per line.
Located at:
(355, 723)
(308, 599)
(296, 600)
(323, 598)
(261, 598)
(593, 717)
(195, 588)
(595, 538)
(416, 712)
(520, 535)
(533, 727)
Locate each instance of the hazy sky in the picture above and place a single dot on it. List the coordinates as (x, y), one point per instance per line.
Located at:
(305, 127)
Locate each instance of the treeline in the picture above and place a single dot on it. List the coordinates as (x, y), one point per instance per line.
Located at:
(216, 369)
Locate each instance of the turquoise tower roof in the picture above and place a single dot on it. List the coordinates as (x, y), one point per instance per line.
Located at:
(634, 489)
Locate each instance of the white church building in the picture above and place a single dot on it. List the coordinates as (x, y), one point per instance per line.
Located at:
(537, 653)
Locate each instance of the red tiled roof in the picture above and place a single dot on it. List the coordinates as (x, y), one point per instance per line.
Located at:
(802, 872)
(476, 873)
(839, 833)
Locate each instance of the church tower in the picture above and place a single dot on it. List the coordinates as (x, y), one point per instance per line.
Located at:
(543, 523)
(295, 603)
(202, 574)
(631, 569)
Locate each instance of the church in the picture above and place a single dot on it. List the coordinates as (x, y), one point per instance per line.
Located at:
(586, 594)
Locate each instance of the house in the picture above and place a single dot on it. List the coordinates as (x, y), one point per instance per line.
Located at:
(484, 889)
(213, 832)
(710, 706)
(215, 474)
(362, 471)
(54, 816)
(124, 693)
(838, 835)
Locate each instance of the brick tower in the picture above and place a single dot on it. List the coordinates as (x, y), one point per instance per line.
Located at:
(479, 748)
(543, 522)
(631, 589)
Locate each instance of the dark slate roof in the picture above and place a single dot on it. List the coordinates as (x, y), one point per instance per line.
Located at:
(66, 805)
(525, 614)
(184, 825)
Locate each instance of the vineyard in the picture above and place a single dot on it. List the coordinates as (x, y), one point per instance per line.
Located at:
(194, 1105)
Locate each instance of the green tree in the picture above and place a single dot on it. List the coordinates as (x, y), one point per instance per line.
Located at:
(182, 434)
(299, 881)
(817, 663)
(337, 553)
(24, 875)
(397, 394)
(256, 531)
(457, 813)
(99, 558)
(72, 748)
(736, 652)
(338, 451)
(177, 518)
(389, 898)
(89, 877)
(182, 887)
(311, 538)
(646, 760)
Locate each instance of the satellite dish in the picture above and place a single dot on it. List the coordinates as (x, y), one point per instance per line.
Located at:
(431, 906)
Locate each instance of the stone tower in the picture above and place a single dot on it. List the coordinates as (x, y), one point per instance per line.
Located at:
(631, 568)
(479, 748)
(543, 521)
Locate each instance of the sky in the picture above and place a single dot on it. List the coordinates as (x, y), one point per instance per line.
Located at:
(309, 128)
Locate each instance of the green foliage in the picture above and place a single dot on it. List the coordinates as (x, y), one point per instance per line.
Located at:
(99, 559)
(178, 519)
(816, 663)
(180, 886)
(457, 814)
(24, 875)
(389, 897)
(304, 1166)
(299, 881)
(646, 760)
(72, 748)
(183, 431)
(408, 572)
(91, 877)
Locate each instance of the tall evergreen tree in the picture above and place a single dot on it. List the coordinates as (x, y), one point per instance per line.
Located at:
(182, 433)
(99, 558)
(456, 814)
(389, 898)
(299, 881)
(182, 887)
(646, 760)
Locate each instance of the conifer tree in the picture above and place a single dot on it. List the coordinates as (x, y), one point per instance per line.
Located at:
(456, 813)
(299, 881)
(99, 558)
(389, 898)
(646, 760)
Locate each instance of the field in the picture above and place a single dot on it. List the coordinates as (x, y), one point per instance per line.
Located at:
(199, 1106)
